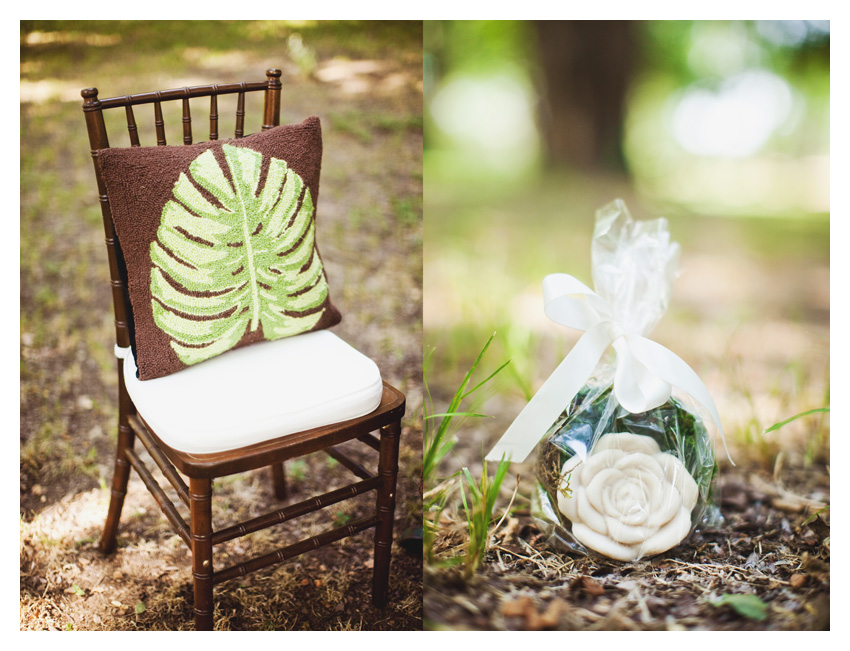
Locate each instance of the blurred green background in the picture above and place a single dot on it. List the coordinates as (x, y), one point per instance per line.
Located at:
(720, 126)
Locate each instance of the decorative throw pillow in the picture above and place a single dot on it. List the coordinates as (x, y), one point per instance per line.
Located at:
(218, 241)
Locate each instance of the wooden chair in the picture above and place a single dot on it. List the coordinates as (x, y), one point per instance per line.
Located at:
(202, 469)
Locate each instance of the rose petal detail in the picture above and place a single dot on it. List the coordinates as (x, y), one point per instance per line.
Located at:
(627, 443)
(628, 498)
(678, 475)
(587, 514)
(598, 489)
(669, 536)
(603, 544)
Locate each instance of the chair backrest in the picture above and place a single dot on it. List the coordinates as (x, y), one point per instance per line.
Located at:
(98, 139)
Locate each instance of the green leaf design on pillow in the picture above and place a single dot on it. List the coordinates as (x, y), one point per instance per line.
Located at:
(248, 261)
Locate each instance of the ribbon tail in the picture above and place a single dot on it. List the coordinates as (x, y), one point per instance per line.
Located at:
(636, 387)
(673, 369)
(553, 397)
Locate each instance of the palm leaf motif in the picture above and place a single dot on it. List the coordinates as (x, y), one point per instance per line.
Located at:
(248, 261)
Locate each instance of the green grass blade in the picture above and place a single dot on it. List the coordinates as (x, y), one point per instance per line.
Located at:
(795, 417)
(457, 413)
(489, 377)
(435, 447)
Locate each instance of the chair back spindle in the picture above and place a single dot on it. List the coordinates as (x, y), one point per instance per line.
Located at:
(240, 115)
(132, 129)
(213, 116)
(159, 122)
(187, 121)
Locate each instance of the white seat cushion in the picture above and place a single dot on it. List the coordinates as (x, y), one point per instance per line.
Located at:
(256, 393)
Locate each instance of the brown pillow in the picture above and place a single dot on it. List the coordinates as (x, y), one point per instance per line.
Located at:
(219, 245)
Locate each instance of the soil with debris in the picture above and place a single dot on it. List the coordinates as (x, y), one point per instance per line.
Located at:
(765, 548)
(67, 584)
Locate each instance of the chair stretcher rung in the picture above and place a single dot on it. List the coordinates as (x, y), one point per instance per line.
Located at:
(347, 462)
(177, 522)
(159, 457)
(371, 441)
(290, 551)
(295, 510)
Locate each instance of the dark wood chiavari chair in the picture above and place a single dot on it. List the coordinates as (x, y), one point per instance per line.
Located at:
(202, 469)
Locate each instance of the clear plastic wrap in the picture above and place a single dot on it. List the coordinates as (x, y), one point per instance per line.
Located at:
(611, 482)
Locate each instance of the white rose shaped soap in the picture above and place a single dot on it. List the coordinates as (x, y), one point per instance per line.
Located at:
(628, 499)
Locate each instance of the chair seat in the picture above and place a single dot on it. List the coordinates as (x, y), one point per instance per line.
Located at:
(256, 393)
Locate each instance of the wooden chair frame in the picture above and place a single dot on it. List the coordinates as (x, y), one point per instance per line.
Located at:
(202, 469)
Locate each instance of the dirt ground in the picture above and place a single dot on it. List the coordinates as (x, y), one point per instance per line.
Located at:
(364, 82)
(763, 548)
(773, 542)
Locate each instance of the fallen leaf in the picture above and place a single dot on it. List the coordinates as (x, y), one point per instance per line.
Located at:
(797, 580)
(517, 607)
(587, 584)
(819, 527)
(748, 605)
(524, 608)
(552, 614)
(789, 506)
(819, 607)
(814, 565)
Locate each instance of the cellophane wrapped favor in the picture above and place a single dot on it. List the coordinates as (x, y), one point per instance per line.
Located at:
(611, 482)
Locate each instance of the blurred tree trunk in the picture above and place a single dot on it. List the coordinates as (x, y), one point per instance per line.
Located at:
(587, 65)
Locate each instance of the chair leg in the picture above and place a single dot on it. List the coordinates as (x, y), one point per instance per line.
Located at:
(121, 474)
(385, 504)
(279, 479)
(200, 508)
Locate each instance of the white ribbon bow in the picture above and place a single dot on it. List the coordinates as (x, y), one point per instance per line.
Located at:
(644, 378)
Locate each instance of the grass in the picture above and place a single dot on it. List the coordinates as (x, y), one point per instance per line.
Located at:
(71, 46)
(479, 497)
(783, 423)
(366, 125)
(436, 438)
(479, 508)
